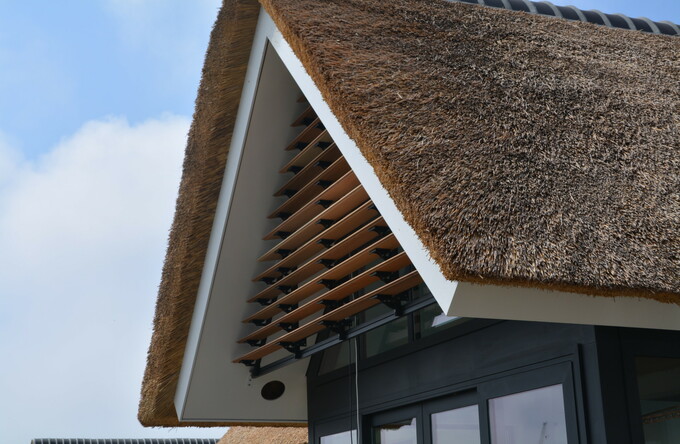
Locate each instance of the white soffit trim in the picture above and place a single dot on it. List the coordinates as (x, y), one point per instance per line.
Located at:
(481, 301)
(442, 288)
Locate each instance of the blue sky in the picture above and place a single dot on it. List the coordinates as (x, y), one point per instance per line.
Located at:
(96, 98)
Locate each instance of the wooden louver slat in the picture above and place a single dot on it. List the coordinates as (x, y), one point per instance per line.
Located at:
(335, 252)
(313, 148)
(311, 170)
(335, 232)
(308, 192)
(362, 303)
(342, 269)
(331, 204)
(307, 116)
(343, 290)
(332, 246)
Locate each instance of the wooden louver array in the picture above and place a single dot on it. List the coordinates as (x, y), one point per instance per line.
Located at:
(335, 256)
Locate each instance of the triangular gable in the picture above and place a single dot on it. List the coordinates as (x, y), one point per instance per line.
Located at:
(211, 342)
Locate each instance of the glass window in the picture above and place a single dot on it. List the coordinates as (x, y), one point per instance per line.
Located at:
(348, 437)
(534, 416)
(659, 387)
(336, 357)
(386, 337)
(397, 432)
(459, 426)
(432, 319)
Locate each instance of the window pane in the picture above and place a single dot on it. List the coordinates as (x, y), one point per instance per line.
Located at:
(335, 357)
(459, 426)
(659, 385)
(400, 432)
(431, 319)
(348, 437)
(536, 416)
(386, 337)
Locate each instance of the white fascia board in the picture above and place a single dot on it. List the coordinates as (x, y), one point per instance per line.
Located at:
(533, 304)
(465, 299)
(442, 288)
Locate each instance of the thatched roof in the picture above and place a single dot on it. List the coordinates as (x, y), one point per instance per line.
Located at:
(523, 150)
(269, 435)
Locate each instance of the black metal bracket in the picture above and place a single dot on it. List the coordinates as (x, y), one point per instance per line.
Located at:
(251, 362)
(325, 222)
(283, 215)
(323, 144)
(282, 234)
(301, 145)
(294, 169)
(256, 342)
(325, 203)
(384, 253)
(395, 302)
(286, 270)
(294, 347)
(320, 126)
(328, 263)
(329, 283)
(324, 183)
(283, 252)
(288, 326)
(265, 301)
(323, 164)
(268, 280)
(339, 327)
(261, 322)
(386, 276)
(380, 230)
(287, 288)
(288, 307)
(330, 304)
(328, 243)
(288, 192)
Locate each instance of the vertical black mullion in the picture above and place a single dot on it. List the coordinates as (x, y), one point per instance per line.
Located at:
(484, 422)
(422, 425)
(578, 393)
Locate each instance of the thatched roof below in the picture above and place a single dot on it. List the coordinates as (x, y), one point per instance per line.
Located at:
(269, 435)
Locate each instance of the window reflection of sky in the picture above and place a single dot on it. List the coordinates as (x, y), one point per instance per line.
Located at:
(532, 417)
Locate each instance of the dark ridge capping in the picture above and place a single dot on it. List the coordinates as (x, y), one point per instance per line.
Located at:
(573, 13)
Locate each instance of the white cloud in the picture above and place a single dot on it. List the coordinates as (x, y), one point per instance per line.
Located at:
(82, 236)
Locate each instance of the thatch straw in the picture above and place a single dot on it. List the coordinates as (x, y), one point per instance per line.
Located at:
(209, 139)
(269, 435)
(524, 150)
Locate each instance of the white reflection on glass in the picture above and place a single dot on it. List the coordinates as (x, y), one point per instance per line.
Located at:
(348, 437)
(401, 432)
(459, 426)
(532, 417)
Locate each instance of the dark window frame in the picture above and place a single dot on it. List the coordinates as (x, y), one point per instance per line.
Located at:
(640, 343)
(516, 381)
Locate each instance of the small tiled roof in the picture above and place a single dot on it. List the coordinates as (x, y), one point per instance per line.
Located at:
(123, 441)
(265, 435)
(573, 13)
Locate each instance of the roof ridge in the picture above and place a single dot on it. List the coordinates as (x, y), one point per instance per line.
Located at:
(594, 16)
